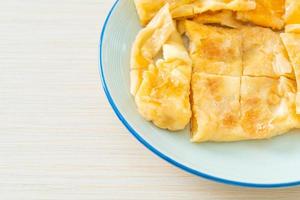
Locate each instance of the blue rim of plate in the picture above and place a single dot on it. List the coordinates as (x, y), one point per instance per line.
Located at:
(157, 152)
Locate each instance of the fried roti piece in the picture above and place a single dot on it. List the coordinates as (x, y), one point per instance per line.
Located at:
(163, 96)
(147, 45)
(292, 44)
(201, 6)
(267, 106)
(268, 13)
(216, 108)
(147, 9)
(264, 53)
(241, 108)
(292, 12)
(161, 88)
(215, 50)
(225, 18)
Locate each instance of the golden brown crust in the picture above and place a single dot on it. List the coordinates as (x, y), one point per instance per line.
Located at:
(292, 12)
(147, 9)
(268, 13)
(241, 86)
(148, 43)
(292, 44)
(229, 109)
(264, 53)
(224, 18)
(267, 106)
(163, 96)
(215, 108)
(215, 50)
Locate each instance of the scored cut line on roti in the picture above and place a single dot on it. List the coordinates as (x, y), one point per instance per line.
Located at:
(229, 108)
(292, 44)
(242, 83)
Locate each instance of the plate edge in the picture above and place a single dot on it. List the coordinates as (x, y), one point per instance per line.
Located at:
(153, 149)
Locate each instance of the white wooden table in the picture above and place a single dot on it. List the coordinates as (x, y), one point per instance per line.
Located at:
(59, 139)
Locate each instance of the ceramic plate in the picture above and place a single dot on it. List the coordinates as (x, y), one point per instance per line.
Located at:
(267, 163)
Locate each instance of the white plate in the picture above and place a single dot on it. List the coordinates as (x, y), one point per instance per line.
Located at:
(267, 163)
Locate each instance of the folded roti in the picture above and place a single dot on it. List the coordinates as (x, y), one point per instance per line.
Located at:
(147, 9)
(268, 13)
(225, 18)
(163, 96)
(162, 88)
(147, 45)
